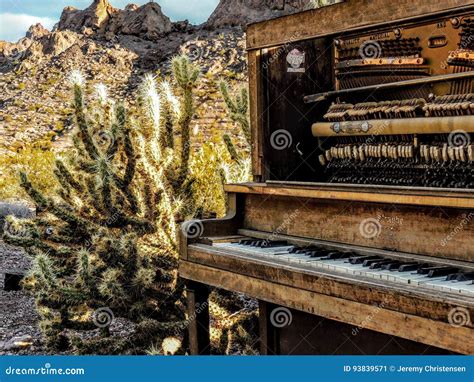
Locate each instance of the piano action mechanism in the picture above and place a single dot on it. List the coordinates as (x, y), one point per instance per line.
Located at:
(359, 224)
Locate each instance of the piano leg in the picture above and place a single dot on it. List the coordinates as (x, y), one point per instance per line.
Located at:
(269, 343)
(198, 318)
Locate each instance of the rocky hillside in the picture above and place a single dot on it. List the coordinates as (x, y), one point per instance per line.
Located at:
(117, 47)
(241, 13)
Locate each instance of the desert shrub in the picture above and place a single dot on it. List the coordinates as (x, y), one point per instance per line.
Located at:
(37, 160)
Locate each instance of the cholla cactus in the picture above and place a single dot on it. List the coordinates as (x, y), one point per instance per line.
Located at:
(106, 245)
(238, 108)
(313, 4)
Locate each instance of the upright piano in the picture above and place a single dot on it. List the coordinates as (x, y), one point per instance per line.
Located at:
(356, 235)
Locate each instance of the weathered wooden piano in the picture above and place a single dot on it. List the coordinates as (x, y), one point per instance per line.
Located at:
(356, 236)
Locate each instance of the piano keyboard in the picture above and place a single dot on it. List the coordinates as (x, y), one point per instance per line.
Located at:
(435, 277)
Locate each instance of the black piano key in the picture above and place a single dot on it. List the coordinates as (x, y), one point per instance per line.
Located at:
(245, 242)
(453, 276)
(338, 256)
(368, 263)
(441, 271)
(424, 270)
(274, 244)
(378, 264)
(460, 277)
(360, 259)
(303, 250)
(394, 265)
(320, 253)
(410, 267)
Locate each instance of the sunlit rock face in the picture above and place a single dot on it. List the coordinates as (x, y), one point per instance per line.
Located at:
(103, 20)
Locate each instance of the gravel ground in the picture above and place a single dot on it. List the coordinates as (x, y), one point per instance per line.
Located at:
(19, 321)
(19, 325)
(12, 259)
(18, 317)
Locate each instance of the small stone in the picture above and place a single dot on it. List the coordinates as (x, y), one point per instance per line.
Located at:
(17, 343)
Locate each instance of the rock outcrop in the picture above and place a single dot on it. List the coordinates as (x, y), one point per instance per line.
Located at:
(36, 31)
(13, 52)
(241, 13)
(103, 20)
(95, 17)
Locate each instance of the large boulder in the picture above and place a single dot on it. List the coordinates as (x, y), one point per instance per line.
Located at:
(147, 21)
(103, 20)
(95, 17)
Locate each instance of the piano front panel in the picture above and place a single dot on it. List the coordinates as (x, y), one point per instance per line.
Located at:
(342, 339)
(430, 231)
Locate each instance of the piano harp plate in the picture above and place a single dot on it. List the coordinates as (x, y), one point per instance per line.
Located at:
(397, 310)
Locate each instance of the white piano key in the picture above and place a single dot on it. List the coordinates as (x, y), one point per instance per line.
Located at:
(297, 258)
(465, 287)
(426, 281)
(442, 285)
(357, 270)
